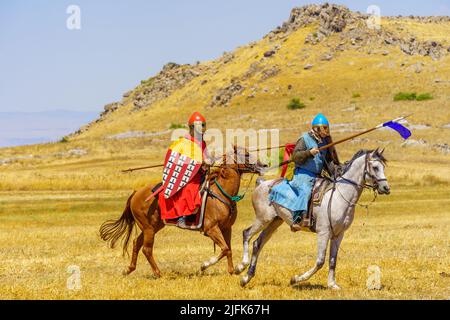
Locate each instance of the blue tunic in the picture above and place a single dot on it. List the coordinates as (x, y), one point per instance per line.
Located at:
(295, 194)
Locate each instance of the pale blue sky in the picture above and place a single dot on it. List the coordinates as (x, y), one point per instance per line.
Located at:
(45, 66)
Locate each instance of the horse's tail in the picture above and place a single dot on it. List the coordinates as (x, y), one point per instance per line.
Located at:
(112, 230)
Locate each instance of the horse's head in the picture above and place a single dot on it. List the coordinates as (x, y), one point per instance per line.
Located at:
(374, 174)
(244, 162)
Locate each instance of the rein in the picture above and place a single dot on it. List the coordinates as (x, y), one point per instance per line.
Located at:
(236, 198)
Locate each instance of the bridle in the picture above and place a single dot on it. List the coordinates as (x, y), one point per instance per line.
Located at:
(248, 168)
(373, 187)
(373, 178)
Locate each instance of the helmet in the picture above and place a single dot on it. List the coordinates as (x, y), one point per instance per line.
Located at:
(320, 120)
(196, 116)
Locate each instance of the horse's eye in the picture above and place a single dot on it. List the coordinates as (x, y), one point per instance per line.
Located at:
(376, 169)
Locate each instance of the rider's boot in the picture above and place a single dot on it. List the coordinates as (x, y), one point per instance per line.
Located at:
(181, 223)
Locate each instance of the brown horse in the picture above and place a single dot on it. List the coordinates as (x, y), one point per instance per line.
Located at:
(219, 217)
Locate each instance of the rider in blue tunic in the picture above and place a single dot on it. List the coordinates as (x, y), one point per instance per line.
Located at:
(309, 163)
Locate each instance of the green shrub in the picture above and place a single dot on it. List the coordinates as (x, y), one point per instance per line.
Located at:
(424, 96)
(356, 95)
(412, 96)
(401, 96)
(295, 103)
(64, 139)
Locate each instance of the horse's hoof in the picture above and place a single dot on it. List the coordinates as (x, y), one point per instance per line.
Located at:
(203, 267)
(244, 281)
(127, 271)
(238, 269)
(334, 286)
(293, 280)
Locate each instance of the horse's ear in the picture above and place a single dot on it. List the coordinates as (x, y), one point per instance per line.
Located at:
(381, 152)
(375, 152)
(223, 173)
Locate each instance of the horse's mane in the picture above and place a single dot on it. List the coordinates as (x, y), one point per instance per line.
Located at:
(236, 151)
(376, 153)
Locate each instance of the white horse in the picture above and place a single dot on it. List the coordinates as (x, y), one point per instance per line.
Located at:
(333, 216)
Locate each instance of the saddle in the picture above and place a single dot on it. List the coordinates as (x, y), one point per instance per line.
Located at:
(194, 220)
(321, 186)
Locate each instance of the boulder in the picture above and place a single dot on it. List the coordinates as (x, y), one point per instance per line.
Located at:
(269, 53)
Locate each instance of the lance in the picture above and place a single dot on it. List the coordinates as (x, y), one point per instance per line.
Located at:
(393, 124)
(142, 168)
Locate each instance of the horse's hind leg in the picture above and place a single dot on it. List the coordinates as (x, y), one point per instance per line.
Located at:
(258, 244)
(149, 237)
(137, 245)
(216, 235)
(322, 243)
(247, 235)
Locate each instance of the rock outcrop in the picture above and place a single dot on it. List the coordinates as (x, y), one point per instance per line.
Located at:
(332, 18)
(172, 77)
(224, 95)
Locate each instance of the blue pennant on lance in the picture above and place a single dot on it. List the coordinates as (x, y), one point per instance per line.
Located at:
(403, 131)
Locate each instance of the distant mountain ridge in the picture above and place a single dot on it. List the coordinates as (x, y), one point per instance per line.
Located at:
(23, 128)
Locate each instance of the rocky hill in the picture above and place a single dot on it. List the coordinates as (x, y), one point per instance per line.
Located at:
(350, 29)
(330, 59)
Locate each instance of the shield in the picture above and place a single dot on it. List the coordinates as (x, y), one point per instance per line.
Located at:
(179, 169)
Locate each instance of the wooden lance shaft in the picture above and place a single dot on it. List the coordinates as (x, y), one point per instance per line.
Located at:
(142, 168)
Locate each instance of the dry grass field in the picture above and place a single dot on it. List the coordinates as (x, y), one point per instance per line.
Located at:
(43, 233)
(52, 202)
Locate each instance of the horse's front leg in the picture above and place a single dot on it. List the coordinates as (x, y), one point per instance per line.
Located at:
(334, 248)
(247, 235)
(227, 236)
(322, 242)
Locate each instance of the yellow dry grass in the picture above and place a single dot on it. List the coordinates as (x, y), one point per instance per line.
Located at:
(43, 233)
